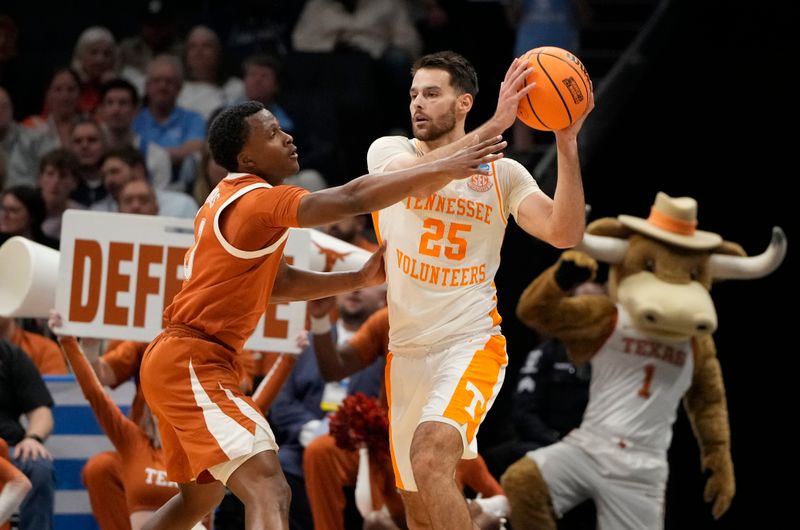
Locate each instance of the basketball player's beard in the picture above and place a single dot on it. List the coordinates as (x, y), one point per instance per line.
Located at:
(436, 129)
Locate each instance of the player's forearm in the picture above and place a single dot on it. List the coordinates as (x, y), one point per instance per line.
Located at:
(367, 194)
(568, 218)
(490, 129)
(295, 284)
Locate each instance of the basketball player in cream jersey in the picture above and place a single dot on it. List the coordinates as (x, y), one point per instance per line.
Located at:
(448, 355)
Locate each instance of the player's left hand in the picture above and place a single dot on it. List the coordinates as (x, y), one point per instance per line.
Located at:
(721, 485)
(374, 272)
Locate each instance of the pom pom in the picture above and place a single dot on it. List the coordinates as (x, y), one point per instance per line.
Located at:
(362, 422)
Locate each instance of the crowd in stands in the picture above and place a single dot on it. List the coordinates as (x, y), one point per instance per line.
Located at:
(120, 126)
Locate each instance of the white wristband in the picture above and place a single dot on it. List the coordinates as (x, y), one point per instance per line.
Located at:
(321, 326)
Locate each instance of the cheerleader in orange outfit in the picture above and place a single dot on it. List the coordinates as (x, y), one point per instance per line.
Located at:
(143, 469)
(14, 486)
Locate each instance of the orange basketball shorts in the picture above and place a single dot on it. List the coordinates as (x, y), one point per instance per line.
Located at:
(191, 384)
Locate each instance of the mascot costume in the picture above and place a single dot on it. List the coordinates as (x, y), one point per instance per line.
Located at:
(649, 342)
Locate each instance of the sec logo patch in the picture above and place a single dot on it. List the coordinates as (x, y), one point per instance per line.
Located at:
(480, 183)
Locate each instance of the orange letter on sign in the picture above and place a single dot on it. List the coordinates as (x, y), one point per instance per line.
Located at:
(117, 283)
(146, 284)
(85, 250)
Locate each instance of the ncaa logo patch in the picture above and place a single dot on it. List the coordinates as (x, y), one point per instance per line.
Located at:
(480, 182)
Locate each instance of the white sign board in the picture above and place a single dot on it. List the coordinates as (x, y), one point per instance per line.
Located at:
(119, 272)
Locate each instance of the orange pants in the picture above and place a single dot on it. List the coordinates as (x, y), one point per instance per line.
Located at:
(328, 470)
(102, 476)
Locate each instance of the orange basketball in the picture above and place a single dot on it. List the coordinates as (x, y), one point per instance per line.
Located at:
(561, 93)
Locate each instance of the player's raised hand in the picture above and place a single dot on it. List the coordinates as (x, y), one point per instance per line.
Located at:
(512, 89)
(473, 159)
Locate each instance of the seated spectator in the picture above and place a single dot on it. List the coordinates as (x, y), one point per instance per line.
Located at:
(14, 487)
(23, 393)
(300, 410)
(180, 131)
(157, 35)
(48, 130)
(262, 84)
(89, 143)
(138, 443)
(124, 164)
(22, 212)
(95, 60)
(119, 104)
(58, 179)
(10, 132)
(44, 353)
(206, 88)
(138, 197)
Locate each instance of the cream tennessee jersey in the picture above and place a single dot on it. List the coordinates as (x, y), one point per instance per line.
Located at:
(443, 252)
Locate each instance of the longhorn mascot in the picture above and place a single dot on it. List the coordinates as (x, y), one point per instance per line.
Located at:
(649, 342)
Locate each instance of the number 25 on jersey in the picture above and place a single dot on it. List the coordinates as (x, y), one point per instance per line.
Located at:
(431, 243)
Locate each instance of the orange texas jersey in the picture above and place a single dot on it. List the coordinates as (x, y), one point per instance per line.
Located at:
(231, 268)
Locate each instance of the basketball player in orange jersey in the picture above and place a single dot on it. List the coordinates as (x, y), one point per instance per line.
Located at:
(448, 355)
(213, 435)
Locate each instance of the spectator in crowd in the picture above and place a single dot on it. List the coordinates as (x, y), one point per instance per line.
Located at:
(22, 212)
(89, 143)
(95, 60)
(44, 353)
(48, 130)
(138, 197)
(262, 84)
(123, 164)
(180, 131)
(23, 393)
(301, 409)
(58, 179)
(382, 29)
(10, 131)
(119, 104)
(14, 487)
(207, 88)
(158, 35)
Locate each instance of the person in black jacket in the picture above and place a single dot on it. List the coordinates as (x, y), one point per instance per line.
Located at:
(22, 392)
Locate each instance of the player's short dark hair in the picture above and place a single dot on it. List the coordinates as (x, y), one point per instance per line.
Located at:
(229, 132)
(119, 83)
(463, 76)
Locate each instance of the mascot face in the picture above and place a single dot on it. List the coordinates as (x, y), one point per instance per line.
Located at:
(665, 290)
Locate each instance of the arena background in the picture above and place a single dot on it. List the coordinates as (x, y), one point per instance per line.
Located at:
(712, 114)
